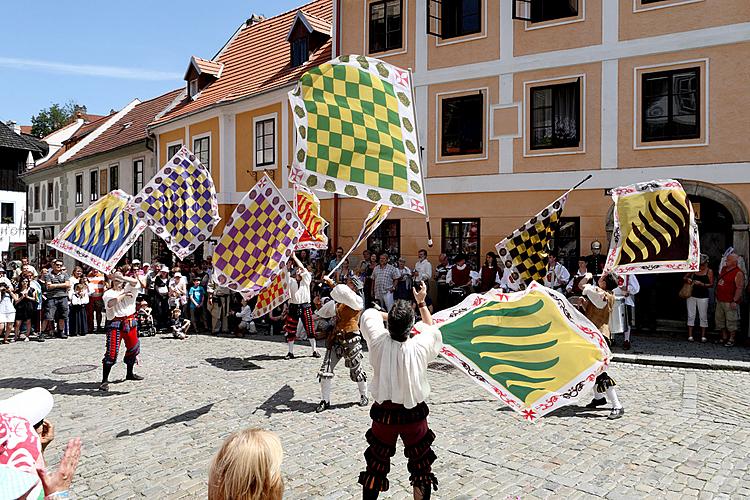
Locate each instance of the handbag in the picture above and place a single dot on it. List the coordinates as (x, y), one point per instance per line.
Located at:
(162, 290)
(686, 291)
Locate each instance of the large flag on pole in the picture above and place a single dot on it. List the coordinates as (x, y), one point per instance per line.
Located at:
(377, 215)
(273, 295)
(655, 229)
(258, 240)
(179, 204)
(307, 206)
(531, 349)
(522, 253)
(102, 234)
(356, 132)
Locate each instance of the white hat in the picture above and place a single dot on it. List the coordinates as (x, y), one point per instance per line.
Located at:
(146, 264)
(164, 269)
(32, 404)
(136, 261)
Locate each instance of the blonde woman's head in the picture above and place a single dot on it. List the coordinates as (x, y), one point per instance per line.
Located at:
(247, 467)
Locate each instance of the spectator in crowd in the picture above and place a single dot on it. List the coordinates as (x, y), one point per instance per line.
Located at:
(95, 307)
(702, 282)
(178, 325)
(219, 306)
(574, 286)
(177, 290)
(25, 303)
(246, 319)
(343, 273)
(79, 298)
(7, 309)
(384, 280)
(490, 274)
(197, 297)
(459, 279)
(247, 467)
(277, 318)
(557, 276)
(423, 268)
(371, 265)
(335, 261)
(161, 296)
(728, 297)
(26, 265)
(441, 273)
(56, 285)
(403, 284)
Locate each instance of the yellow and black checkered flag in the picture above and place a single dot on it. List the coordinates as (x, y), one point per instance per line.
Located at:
(523, 253)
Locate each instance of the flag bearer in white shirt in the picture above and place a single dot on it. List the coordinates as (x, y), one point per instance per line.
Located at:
(628, 287)
(399, 386)
(300, 308)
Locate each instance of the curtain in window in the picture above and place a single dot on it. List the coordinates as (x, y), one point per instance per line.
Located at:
(565, 110)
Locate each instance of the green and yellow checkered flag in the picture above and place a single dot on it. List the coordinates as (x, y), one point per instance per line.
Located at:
(356, 132)
(523, 253)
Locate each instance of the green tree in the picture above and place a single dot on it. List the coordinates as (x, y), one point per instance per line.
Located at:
(56, 116)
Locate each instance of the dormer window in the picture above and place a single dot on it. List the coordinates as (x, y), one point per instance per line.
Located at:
(200, 74)
(300, 54)
(306, 35)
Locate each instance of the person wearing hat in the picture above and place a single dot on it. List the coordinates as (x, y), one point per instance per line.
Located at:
(119, 303)
(344, 340)
(702, 282)
(7, 309)
(300, 307)
(595, 261)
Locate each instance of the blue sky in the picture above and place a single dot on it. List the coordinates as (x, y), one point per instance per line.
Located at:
(105, 53)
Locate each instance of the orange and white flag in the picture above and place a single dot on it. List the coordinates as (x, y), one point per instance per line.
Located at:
(307, 205)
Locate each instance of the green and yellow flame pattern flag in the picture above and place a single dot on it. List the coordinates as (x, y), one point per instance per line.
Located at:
(356, 132)
(531, 349)
(655, 229)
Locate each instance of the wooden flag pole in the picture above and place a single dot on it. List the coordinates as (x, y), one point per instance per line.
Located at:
(421, 167)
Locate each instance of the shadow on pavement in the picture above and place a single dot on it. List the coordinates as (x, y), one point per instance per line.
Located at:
(58, 386)
(580, 411)
(266, 357)
(233, 364)
(283, 401)
(181, 418)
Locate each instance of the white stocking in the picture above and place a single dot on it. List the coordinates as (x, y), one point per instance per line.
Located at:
(362, 388)
(627, 335)
(291, 347)
(612, 396)
(325, 389)
(313, 344)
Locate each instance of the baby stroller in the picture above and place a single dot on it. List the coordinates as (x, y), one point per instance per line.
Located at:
(146, 326)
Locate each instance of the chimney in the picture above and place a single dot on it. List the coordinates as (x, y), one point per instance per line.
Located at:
(15, 127)
(254, 19)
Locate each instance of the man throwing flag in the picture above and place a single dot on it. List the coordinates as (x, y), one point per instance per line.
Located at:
(299, 308)
(119, 303)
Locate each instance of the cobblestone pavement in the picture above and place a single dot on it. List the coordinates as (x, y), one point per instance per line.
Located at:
(685, 432)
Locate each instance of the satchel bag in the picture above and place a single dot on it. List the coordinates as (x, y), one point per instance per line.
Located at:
(686, 291)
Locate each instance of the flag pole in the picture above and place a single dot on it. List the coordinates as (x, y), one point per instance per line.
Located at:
(584, 180)
(421, 169)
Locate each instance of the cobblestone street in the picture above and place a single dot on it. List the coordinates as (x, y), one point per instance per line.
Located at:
(685, 432)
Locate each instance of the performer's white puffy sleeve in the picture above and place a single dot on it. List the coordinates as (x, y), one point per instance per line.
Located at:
(327, 310)
(429, 342)
(345, 295)
(372, 326)
(564, 275)
(633, 285)
(306, 277)
(595, 295)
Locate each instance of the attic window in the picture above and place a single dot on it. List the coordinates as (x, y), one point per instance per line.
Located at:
(193, 87)
(126, 125)
(300, 54)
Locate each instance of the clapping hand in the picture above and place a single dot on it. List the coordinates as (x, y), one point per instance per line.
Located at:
(420, 292)
(62, 478)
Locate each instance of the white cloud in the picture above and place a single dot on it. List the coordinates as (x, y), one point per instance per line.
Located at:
(89, 70)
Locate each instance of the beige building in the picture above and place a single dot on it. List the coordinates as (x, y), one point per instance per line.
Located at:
(513, 112)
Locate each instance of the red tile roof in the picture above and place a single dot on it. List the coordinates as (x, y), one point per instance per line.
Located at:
(26, 129)
(317, 24)
(256, 60)
(129, 129)
(206, 66)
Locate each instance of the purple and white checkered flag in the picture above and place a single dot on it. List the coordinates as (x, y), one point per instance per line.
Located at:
(258, 240)
(179, 204)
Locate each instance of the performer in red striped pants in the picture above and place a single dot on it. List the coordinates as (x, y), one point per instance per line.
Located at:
(299, 308)
(119, 302)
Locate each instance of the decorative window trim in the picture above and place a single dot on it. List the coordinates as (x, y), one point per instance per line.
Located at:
(75, 189)
(470, 37)
(439, 159)
(210, 145)
(256, 119)
(527, 86)
(519, 112)
(169, 145)
(143, 173)
(404, 31)
(703, 139)
(640, 7)
(529, 26)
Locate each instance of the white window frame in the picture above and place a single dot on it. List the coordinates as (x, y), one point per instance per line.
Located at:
(193, 88)
(439, 130)
(705, 96)
(75, 187)
(467, 38)
(169, 145)
(256, 119)
(529, 26)
(404, 31)
(109, 175)
(13, 210)
(143, 173)
(527, 151)
(210, 141)
(639, 7)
